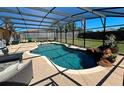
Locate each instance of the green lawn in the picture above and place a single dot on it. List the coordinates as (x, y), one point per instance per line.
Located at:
(92, 43)
(121, 48)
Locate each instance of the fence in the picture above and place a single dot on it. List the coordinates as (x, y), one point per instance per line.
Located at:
(93, 39)
(36, 36)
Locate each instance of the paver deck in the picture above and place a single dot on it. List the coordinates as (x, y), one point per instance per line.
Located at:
(45, 74)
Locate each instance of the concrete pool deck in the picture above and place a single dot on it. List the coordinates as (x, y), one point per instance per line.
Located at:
(45, 73)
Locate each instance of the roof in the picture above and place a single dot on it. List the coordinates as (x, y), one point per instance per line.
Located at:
(49, 18)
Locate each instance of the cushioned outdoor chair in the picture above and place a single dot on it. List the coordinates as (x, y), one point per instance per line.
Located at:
(19, 74)
(11, 57)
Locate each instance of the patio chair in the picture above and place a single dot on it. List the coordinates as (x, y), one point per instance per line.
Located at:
(11, 57)
(19, 74)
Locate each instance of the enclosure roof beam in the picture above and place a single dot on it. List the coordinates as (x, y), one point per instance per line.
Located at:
(24, 19)
(92, 11)
(2, 19)
(1, 24)
(31, 24)
(71, 16)
(58, 12)
(106, 11)
(18, 29)
(32, 27)
(106, 26)
(46, 15)
(26, 14)
(46, 10)
(108, 8)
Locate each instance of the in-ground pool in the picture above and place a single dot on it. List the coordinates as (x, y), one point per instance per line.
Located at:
(65, 57)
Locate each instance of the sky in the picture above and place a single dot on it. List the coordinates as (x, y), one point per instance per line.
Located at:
(97, 22)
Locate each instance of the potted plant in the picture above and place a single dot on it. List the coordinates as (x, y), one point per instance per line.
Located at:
(111, 42)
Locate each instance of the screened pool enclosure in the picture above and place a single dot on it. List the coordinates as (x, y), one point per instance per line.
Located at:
(81, 26)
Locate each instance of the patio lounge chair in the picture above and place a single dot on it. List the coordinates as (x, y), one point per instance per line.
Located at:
(11, 57)
(17, 74)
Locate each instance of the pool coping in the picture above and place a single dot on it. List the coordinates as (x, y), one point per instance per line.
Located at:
(71, 71)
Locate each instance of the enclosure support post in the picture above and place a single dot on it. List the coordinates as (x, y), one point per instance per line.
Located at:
(46, 36)
(73, 34)
(25, 36)
(60, 34)
(38, 36)
(104, 30)
(54, 36)
(84, 21)
(57, 35)
(65, 35)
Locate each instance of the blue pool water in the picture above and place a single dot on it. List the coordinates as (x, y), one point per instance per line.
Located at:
(66, 57)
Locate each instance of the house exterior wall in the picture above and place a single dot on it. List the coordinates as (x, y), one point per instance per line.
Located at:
(5, 34)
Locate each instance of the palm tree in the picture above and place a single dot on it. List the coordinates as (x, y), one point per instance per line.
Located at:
(70, 26)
